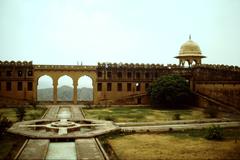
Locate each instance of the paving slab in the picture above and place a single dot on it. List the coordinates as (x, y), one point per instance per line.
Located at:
(35, 149)
(76, 113)
(87, 149)
(51, 112)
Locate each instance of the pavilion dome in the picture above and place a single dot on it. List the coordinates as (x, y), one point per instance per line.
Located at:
(190, 48)
(191, 53)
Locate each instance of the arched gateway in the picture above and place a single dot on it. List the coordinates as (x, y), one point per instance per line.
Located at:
(57, 71)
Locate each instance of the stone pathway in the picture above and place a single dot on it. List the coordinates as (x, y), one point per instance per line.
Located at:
(35, 149)
(51, 112)
(178, 126)
(88, 149)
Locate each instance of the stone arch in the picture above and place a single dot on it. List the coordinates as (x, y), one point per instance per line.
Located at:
(55, 74)
(43, 96)
(64, 89)
(89, 88)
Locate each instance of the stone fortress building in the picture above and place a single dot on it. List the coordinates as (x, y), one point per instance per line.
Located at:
(125, 83)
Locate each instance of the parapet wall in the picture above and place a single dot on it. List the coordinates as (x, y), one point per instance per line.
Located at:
(218, 73)
(17, 63)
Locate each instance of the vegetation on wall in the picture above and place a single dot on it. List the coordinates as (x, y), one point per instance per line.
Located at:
(170, 91)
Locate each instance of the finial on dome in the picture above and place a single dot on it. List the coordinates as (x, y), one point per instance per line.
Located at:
(190, 38)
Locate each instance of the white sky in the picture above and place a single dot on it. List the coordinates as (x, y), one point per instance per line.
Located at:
(128, 31)
(138, 31)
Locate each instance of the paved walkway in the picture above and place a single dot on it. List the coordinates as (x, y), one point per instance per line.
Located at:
(179, 126)
(54, 109)
(88, 149)
(35, 149)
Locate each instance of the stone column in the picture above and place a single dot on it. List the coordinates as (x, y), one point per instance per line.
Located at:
(55, 84)
(75, 84)
(35, 85)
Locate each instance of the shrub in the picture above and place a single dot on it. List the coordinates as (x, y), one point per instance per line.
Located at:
(4, 125)
(211, 111)
(176, 116)
(109, 118)
(214, 133)
(20, 112)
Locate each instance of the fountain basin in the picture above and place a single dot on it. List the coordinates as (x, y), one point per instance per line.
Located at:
(46, 128)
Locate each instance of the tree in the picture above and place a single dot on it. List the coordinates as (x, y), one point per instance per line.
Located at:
(4, 125)
(170, 91)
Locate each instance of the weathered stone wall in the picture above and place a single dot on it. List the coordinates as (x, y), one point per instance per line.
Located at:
(225, 93)
(16, 82)
(218, 82)
(139, 76)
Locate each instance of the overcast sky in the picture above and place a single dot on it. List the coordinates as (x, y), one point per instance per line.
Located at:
(137, 31)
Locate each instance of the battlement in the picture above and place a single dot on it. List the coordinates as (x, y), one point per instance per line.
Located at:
(71, 67)
(218, 67)
(168, 66)
(136, 65)
(13, 63)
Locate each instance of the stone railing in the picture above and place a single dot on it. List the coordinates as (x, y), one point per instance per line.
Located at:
(13, 63)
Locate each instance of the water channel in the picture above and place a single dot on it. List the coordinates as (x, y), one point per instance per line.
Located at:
(62, 150)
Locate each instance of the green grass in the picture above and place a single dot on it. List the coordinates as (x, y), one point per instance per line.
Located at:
(142, 114)
(31, 113)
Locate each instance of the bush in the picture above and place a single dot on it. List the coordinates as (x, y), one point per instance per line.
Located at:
(20, 112)
(4, 125)
(211, 111)
(176, 116)
(214, 133)
(106, 117)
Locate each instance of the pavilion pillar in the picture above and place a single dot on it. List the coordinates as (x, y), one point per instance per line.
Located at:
(55, 84)
(75, 84)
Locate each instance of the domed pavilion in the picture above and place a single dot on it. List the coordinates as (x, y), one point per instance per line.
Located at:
(191, 53)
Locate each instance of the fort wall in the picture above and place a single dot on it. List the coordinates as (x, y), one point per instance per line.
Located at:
(120, 83)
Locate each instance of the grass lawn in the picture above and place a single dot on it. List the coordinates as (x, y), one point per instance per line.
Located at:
(142, 114)
(31, 113)
(175, 146)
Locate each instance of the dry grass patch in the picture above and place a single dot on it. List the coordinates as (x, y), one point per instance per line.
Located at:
(142, 114)
(164, 146)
